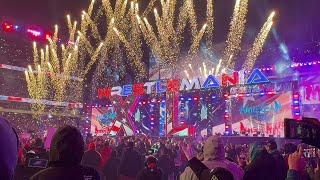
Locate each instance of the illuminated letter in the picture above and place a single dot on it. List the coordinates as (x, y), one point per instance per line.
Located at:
(257, 77)
(149, 86)
(173, 85)
(158, 87)
(138, 89)
(116, 91)
(104, 92)
(186, 85)
(210, 82)
(127, 90)
(241, 77)
(226, 78)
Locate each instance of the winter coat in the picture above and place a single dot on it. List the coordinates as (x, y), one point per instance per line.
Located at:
(281, 166)
(214, 163)
(110, 169)
(92, 158)
(131, 163)
(63, 171)
(166, 163)
(262, 167)
(105, 154)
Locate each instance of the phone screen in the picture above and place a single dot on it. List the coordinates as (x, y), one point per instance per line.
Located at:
(38, 163)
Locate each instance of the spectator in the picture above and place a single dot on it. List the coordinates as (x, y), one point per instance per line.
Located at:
(177, 162)
(66, 151)
(131, 163)
(151, 170)
(261, 165)
(92, 157)
(203, 172)
(105, 152)
(8, 151)
(166, 163)
(213, 152)
(121, 146)
(281, 167)
(110, 169)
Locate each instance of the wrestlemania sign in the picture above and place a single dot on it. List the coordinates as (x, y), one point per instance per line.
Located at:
(161, 86)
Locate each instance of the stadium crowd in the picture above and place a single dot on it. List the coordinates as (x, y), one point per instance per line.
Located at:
(72, 156)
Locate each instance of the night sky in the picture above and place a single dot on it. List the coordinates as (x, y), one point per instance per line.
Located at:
(296, 22)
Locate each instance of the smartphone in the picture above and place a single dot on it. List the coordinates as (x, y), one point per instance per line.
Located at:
(37, 163)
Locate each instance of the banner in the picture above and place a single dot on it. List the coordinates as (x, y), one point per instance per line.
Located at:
(101, 120)
(260, 114)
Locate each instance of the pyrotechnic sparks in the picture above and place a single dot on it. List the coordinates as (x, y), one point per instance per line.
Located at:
(110, 37)
(218, 67)
(210, 24)
(236, 30)
(165, 41)
(195, 45)
(258, 43)
(36, 88)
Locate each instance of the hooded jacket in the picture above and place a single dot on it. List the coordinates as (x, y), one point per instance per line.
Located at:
(214, 157)
(8, 150)
(281, 166)
(66, 151)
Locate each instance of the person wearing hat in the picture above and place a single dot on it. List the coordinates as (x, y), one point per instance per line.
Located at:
(110, 169)
(281, 165)
(261, 164)
(151, 170)
(214, 157)
(8, 150)
(92, 157)
(66, 151)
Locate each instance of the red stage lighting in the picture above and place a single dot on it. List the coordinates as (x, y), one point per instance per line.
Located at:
(195, 98)
(47, 36)
(7, 26)
(226, 116)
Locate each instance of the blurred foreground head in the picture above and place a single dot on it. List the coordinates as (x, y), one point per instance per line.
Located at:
(8, 150)
(67, 146)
